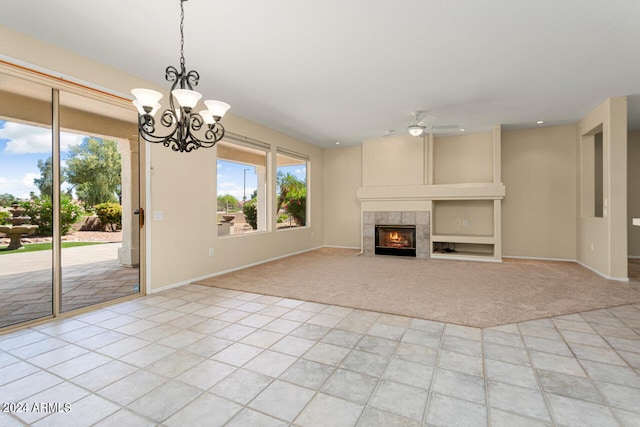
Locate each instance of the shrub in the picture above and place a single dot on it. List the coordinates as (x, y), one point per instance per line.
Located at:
(110, 215)
(296, 207)
(4, 215)
(250, 210)
(40, 210)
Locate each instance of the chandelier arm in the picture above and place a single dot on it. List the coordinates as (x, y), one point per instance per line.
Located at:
(182, 134)
(212, 135)
(147, 127)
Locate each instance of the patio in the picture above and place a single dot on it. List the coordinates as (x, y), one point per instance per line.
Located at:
(90, 275)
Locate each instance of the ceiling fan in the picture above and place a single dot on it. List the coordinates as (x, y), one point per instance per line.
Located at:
(420, 124)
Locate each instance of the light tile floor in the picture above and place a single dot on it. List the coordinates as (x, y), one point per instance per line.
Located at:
(198, 355)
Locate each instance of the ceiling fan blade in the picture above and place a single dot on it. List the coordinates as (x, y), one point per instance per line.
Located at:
(427, 120)
(392, 132)
(443, 127)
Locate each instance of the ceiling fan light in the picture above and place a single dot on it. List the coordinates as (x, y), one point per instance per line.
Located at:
(416, 130)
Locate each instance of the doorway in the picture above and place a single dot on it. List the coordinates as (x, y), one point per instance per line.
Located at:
(69, 169)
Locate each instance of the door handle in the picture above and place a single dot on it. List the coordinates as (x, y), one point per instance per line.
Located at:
(140, 212)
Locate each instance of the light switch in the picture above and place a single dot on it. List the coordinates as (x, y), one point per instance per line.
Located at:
(158, 215)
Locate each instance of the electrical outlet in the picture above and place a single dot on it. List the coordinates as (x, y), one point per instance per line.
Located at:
(465, 223)
(210, 251)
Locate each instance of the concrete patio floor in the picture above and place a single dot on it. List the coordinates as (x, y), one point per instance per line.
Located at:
(90, 275)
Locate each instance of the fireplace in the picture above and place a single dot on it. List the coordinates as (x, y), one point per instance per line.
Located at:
(417, 220)
(397, 240)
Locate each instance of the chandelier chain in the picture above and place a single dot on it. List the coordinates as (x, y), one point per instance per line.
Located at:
(182, 33)
(186, 129)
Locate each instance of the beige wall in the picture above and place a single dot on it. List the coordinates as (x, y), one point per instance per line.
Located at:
(468, 217)
(539, 210)
(602, 242)
(342, 178)
(397, 160)
(463, 158)
(633, 189)
(183, 185)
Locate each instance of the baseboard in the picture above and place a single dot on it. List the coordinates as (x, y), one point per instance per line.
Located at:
(220, 273)
(341, 247)
(533, 258)
(465, 258)
(617, 279)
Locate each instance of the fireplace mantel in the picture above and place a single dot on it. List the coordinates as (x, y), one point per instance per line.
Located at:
(482, 191)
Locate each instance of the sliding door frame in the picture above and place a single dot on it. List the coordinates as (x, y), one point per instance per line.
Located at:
(57, 85)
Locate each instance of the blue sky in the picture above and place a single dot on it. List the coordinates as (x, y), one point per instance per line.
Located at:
(21, 146)
(231, 177)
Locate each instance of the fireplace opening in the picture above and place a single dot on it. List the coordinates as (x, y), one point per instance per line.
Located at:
(397, 240)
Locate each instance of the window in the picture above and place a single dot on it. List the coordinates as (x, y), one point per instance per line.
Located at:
(241, 188)
(291, 188)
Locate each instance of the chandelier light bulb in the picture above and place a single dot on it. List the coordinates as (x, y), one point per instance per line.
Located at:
(147, 99)
(186, 98)
(207, 117)
(217, 108)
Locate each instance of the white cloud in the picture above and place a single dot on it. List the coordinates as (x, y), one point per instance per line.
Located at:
(19, 187)
(234, 189)
(23, 139)
(227, 184)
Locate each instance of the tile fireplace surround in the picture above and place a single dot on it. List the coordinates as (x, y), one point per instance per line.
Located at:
(418, 218)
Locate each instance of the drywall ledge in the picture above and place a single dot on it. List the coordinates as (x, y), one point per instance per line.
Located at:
(474, 191)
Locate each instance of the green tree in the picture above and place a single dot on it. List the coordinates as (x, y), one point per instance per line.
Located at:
(45, 182)
(93, 169)
(227, 201)
(292, 196)
(7, 199)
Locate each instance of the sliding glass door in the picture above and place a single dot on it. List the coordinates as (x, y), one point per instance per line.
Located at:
(93, 183)
(69, 173)
(26, 149)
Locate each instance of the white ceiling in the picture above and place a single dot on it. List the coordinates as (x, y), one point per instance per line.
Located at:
(348, 70)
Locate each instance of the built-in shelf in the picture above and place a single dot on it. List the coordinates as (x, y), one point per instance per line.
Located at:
(466, 229)
(464, 248)
(460, 238)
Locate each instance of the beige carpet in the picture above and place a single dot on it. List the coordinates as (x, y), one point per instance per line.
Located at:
(465, 293)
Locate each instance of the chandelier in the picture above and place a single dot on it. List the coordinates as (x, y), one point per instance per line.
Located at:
(185, 129)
